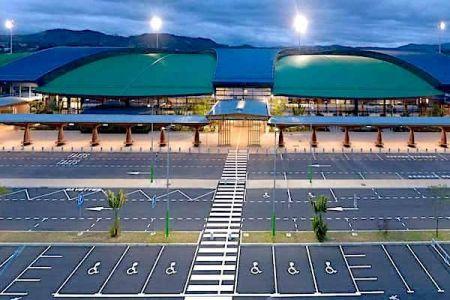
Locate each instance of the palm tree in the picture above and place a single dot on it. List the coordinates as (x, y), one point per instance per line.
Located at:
(319, 226)
(3, 190)
(116, 202)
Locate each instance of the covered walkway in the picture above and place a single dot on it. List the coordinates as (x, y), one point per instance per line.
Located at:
(97, 120)
(348, 123)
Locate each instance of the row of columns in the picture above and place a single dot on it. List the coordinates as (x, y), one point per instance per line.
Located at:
(378, 142)
(95, 140)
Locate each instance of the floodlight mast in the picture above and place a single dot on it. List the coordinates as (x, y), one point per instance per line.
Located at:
(9, 24)
(442, 27)
(156, 24)
(300, 26)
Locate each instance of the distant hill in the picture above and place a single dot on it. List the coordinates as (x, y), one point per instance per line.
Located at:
(65, 37)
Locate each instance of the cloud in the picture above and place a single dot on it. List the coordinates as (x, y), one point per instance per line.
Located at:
(257, 22)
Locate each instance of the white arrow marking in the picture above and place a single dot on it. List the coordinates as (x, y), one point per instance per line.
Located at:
(138, 173)
(98, 208)
(340, 208)
(319, 166)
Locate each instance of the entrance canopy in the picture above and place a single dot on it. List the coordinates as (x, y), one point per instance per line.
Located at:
(239, 109)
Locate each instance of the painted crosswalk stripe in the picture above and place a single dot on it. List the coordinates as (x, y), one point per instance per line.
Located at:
(218, 249)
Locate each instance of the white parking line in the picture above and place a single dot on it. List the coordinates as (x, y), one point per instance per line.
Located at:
(74, 270)
(274, 270)
(425, 269)
(23, 272)
(113, 270)
(349, 270)
(408, 289)
(151, 271)
(312, 270)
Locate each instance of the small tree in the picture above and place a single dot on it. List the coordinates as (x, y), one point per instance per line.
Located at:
(319, 226)
(3, 190)
(441, 196)
(116, 202)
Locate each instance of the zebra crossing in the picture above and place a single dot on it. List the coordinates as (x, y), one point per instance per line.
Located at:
(215, 266)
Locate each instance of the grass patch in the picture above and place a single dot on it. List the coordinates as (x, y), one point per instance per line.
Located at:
(126, 237)
(344, 237)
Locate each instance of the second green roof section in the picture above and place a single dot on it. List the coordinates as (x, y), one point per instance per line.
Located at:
(139, 75)
(346, 77)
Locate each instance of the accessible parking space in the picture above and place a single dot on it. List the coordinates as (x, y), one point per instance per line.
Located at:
(293, 270)
(331, 271)
(171, 271)
(256, 270)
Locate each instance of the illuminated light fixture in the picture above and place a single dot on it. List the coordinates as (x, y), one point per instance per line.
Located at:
(156, 24)
(9, 24)
(442, 25)
(300, 24)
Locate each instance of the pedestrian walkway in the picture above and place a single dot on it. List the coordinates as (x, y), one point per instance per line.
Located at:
(182, 141)
(215, 265)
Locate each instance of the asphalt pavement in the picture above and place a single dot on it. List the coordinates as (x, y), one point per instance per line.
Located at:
(376, 271)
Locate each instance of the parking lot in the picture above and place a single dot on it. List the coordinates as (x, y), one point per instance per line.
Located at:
(325, 166)
(377, 271)
(43, 209)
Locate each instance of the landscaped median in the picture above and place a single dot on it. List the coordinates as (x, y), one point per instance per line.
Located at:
(126, 237)
(254, 237)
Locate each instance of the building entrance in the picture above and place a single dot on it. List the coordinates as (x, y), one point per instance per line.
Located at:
(240, 132)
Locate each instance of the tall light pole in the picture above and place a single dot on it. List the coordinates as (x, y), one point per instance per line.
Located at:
(156, 24)
(273, 219)
(442, 26)
(300, 26)
(9, 24)
(167, 225)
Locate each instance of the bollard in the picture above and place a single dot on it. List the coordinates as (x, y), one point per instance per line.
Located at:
(42, 148)
(370, 150)
(101, 149)
(81, 149)
(52, 149)
(3, 148)
(72, 149)
(352, 150)
(304, 150)
(389, 150)
(140, 149)
(12, 148)
(179, 149)
(426, 150)
(32, 148)
(361, 150)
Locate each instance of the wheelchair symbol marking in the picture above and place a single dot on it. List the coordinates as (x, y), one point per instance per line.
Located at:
(255, 270)
(94, 270)
(292, 270)
(329, 269)
(133, 269)
(171, 269)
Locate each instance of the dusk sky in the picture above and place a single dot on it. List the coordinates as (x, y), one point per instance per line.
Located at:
(255, 22)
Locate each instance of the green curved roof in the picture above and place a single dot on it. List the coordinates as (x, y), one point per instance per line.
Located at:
(347, 77)
(6, 58)
(138, 75)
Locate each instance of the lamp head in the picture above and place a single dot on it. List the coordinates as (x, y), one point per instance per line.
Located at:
(300, 24)
(9, 24)
(156, 23)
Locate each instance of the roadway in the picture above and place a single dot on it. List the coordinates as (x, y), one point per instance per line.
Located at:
(209, 166)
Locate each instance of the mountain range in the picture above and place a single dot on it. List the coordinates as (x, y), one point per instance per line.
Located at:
(65, 37)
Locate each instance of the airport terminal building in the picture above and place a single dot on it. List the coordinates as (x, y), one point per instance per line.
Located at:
(226, 89)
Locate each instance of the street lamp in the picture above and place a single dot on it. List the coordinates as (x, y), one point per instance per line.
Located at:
(9, 24)
(300, 26)
(442, 26)
(156, 24)
(167, 225)
(275, 130)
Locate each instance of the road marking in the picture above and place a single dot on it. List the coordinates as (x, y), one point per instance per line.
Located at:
(379, 156)
(408, 289)
(24, 270)
(113, 270)
(151, 271)
(349, 270)
(274, 270)
(334, 196)
(74, 270)
(425, 269)
(311, 267)
(361, 175)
